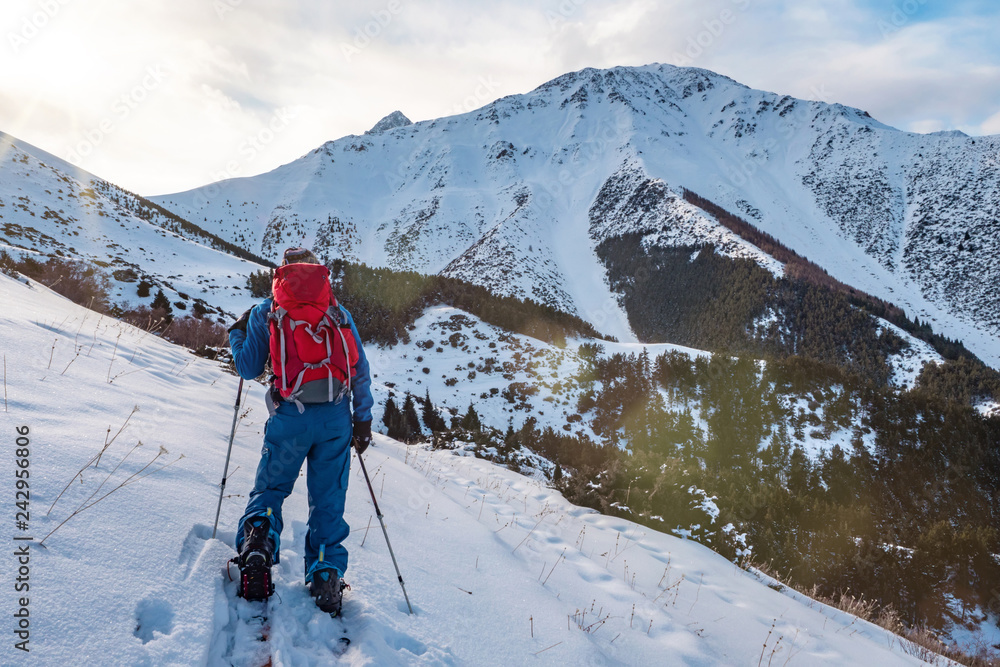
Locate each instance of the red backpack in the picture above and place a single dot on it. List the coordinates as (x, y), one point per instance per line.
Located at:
(310, 338)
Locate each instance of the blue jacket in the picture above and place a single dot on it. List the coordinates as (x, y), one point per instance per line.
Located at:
(251, 350)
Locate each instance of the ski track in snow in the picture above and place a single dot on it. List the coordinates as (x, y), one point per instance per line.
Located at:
(500, 568)
(287, 629)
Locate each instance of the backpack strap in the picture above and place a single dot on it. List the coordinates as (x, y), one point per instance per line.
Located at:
(278, 315)
(334, 314)
(347, 358)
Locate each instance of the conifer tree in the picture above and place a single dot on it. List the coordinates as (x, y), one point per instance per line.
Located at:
(470, 422)
(411, 423)
(393, 420)
(162, 309)
(509, 441)
(259, 283)
(432, 419)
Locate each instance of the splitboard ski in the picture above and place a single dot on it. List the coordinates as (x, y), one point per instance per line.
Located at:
(253, 623)
(250, 625)
(338, 616)
(343, 641)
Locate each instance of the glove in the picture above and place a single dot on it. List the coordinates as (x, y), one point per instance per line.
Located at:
(362, 436)
(241, 323)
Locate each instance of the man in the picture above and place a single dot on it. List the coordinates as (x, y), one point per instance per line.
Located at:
(311, 421)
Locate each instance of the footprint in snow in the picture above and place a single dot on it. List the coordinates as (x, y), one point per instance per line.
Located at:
(153, 617)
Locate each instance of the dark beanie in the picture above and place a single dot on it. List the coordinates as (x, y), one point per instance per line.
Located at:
(299, 256)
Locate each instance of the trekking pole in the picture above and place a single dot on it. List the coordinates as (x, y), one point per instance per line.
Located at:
(378, 513)
(225, 471)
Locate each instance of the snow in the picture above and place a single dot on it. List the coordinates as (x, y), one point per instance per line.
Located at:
(390, 122)
(988, 408)
(974, 629)
(453, 384)
(705, 503)
(49, 206)
(500, 568)
(816, 441)
(502, 195)
(553, 372)
(906, 365)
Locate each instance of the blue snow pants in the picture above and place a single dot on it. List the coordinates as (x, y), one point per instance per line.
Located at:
(321, 437)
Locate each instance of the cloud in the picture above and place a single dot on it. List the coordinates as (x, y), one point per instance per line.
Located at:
(946, 70)
(991, 125)
(926, 126)
(233, 66)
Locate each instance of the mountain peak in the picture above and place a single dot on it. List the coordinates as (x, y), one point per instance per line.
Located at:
(956, 134)
(390, 122)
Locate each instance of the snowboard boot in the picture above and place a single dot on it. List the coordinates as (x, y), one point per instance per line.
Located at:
(255, 560)
(328, 589)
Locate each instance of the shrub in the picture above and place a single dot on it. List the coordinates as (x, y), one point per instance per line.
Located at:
(259, 284)
(198, 334)
(127, 275)
(79, 282)
(386, 303)
(8, 265)
(145, 317)
(195, 333)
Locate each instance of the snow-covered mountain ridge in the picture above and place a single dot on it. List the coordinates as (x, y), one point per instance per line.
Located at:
(50, 207)
(516, 195)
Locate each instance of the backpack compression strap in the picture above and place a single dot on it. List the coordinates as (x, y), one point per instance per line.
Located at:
(321, 336)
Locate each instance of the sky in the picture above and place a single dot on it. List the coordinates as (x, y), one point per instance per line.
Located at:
(168, 95)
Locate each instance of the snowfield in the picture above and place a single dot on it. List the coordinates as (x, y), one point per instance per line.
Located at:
(500, 568)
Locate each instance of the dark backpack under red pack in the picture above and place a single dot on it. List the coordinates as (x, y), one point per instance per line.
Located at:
(311, 342)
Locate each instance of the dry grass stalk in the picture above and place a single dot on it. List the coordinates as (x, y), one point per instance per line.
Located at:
(131, 479)
(918, 641)
(554, 566)
(95, 459)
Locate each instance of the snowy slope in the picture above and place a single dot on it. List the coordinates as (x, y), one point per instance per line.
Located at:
(49, 206)
(516, 195)
(459, 360)
(481, 366)
(500, 569)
